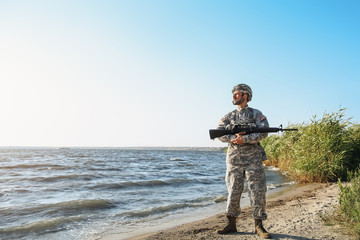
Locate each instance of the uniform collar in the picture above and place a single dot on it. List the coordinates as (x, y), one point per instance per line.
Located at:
(243, 109)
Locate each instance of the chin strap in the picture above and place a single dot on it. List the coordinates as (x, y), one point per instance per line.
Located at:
(242, 98)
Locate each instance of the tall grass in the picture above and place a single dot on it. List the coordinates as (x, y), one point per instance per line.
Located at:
(323, 150)
(350, 201)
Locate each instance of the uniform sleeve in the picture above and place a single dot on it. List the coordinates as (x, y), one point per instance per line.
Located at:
(261, 122)
(225, 124)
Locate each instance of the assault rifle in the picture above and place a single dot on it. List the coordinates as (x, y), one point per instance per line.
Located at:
(215, 133)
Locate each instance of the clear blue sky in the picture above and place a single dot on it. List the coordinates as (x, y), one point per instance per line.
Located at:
(160, 72)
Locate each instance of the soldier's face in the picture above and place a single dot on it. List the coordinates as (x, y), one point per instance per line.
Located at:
(238, 98)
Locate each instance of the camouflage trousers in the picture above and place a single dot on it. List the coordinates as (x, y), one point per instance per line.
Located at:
(256, 182)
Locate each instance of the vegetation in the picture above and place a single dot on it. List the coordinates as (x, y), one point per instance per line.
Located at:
(350, 201)
(324, 150)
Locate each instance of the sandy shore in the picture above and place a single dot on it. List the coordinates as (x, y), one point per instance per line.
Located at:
(293, 214)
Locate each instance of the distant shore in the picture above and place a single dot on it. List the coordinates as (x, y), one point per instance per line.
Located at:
(294, 213)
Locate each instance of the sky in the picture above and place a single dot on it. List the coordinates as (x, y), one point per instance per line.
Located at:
(132, 73)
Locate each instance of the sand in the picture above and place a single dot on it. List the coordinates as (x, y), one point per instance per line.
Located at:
(294, 214)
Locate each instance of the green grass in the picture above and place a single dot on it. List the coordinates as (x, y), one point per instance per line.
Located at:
(350, 201)
(323, 150)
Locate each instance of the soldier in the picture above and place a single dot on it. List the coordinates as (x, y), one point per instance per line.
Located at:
(244, 160)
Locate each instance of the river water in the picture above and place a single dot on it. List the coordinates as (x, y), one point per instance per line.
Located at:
(79, 193)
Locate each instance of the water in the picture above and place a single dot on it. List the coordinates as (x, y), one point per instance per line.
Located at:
(81, 193)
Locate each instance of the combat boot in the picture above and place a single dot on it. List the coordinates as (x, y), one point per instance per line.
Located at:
(260, 230)
(230, 227)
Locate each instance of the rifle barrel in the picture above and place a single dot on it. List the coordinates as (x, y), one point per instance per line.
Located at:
(215, 133)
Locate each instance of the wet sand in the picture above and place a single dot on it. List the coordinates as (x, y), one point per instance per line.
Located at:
(294, 213)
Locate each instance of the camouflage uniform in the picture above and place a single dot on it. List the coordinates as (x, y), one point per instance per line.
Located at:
(245, 161)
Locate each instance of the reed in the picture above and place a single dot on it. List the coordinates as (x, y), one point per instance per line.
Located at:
(323, 150)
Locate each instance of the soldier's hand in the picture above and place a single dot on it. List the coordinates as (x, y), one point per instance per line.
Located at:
(238, 138)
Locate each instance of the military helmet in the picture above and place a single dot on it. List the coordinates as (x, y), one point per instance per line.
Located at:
(245, 89)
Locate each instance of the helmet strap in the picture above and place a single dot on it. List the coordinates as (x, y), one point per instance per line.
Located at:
(242, 98)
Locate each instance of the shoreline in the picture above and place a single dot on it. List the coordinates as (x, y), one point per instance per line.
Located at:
(294, 213)
(147, 228)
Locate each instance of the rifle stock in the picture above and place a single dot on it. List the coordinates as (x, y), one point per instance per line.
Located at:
(215, 133)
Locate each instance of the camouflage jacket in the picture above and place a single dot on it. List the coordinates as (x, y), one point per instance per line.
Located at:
(251, 146)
